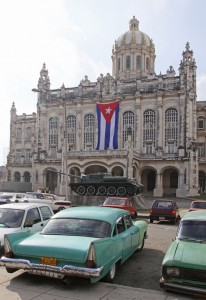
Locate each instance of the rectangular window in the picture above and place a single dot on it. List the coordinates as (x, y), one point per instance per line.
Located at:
(200, 124)
(28, 155)
(18, 155)
(149, 149)
(201, 150)
(171, 148)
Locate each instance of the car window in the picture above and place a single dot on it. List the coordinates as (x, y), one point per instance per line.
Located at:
(11, 217)
(199, 204)
(192, 229)
(128, 221)
(111, 201)
(163, 204)
(49, 197)
(46, 212)
(34, 215)
(120, 226)
(78, 227)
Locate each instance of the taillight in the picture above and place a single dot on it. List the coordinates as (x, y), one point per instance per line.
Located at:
(174, 212)
(91, 257)
(150, 210)
(7, 248)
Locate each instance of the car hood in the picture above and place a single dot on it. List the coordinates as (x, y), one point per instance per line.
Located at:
(72, 248)
(186, 254)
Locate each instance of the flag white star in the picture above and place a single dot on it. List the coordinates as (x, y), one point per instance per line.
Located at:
(108, 110)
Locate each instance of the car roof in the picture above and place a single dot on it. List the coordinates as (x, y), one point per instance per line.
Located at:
(106, 214)
(23, 205)
(199, 201)
(199, 214)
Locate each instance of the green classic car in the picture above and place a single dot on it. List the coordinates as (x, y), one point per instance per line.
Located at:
(87, 242)
(184, 264)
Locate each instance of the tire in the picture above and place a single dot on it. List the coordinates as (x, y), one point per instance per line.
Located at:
(130, 191)
(151, 221)
(102, 191)
(142, 244)
(90, 190)
(121, 191)
(111, 275)
(61, 208)
(81, 190)
(11, 270)
(111, 191)
(134, 216)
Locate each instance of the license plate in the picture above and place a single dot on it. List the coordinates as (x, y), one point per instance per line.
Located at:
(162, 218)
(48, 261)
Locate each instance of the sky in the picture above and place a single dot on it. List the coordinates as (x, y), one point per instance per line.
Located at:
(74, 38)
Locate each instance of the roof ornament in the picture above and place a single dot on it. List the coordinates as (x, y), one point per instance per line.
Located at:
(187, 46)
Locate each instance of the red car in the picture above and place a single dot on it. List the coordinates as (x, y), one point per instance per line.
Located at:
(123, 203)
(164, 210)
(197, 204)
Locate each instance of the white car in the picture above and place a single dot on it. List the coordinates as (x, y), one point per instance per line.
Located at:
(46, 198)
(10, 197)
(22, 217)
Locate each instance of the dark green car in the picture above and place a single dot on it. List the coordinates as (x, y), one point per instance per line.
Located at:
(184, 264)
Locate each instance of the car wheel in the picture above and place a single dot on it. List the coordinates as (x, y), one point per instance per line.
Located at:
(61, 208)
(142, 244)
(134, 216)
(151, 221)
(111, 275)
(173, 221)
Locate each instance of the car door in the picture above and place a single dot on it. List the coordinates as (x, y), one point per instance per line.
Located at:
(34, 215)
(125, 236)
(133, 230)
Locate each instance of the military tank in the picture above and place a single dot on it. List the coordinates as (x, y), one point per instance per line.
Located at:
(105, 184)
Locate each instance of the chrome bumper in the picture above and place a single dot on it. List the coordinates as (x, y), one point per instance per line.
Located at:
(50, 271)
(195, 290)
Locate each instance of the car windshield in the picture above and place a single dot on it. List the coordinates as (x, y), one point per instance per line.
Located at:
(192, 229)
(163, 204)
(201, 205)
(3, 197)
(34, 195)
(110, 201)
(11, 217)
(78, 227)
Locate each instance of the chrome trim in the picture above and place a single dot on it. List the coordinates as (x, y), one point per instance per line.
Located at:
(50, 271)
(182, 287)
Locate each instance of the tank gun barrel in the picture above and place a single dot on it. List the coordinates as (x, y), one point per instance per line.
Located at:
(59, 172)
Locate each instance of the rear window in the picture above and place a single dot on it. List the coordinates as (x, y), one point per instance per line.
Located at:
(111, 201)
(199, 205)
(163, 204)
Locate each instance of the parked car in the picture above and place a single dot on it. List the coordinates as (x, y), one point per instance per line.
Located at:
(184, 264)
(123, 203)
(46, 198)
(197, 204)
(88, 242)
(22, 217)
(164, 210)
(10, 197)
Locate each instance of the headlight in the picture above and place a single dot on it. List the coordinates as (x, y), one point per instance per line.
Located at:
(171, 271)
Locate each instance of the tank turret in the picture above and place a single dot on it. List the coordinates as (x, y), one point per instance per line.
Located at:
(105, 184)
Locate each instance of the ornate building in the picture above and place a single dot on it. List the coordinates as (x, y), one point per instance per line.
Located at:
(161, 133)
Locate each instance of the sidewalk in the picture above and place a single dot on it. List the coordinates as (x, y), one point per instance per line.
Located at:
(22, 286)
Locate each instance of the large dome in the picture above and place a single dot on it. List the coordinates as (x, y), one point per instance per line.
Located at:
(133, 54)
(134, 36)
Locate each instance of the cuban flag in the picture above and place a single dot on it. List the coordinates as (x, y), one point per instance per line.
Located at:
(107, 116)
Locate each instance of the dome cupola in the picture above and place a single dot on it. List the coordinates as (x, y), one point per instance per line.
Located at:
(133, 54)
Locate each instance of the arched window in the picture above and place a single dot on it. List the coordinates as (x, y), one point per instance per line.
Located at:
(17, 177)
(147, 64)
(171, 130)
(149, 130)
(128, 62)
(89, 129)
(27, 177)
(53, 131)
(139, 63)
(18, 133)
(128, 127)
(71, 132)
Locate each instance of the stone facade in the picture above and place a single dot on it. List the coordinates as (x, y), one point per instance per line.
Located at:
(161, 125)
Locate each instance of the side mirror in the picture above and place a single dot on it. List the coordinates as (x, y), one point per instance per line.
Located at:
(28, 223)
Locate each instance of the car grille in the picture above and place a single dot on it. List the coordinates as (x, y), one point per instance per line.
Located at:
(194, 275)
